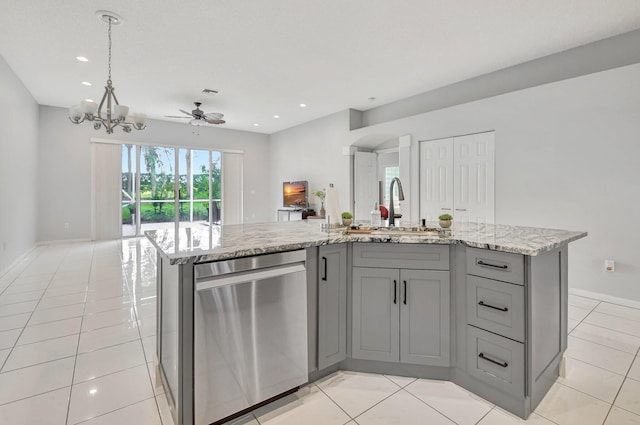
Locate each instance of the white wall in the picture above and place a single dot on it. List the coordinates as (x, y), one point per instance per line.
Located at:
(566, 157)
(18, 167)
(312, 152)
(65, 170)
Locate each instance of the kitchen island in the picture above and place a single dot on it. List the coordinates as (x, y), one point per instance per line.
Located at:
(484, 306)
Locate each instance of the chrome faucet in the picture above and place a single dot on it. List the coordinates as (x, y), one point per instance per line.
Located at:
(392, 218)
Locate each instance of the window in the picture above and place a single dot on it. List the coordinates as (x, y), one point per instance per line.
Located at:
(169, 185)
(389, 174)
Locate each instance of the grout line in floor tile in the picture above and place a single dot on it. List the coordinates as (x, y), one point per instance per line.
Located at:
(114, 410)
(600, 344)
(75, 360)
(483, 416)
(609, 329)
(15, 344)
(36, 395)
(617, 316)
(35, 364)
(432, 407)
(144, 353)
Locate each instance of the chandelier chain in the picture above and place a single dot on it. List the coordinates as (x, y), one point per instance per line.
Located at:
(109, 32)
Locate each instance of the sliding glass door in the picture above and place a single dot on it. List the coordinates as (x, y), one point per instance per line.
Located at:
(168, 186)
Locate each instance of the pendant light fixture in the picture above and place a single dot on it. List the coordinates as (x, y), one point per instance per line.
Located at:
(109, 113)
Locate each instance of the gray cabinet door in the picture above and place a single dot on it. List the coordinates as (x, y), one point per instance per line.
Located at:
(332, 305)
(376, 316)
(424, 317)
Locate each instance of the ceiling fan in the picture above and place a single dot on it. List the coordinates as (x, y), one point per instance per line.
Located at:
(198, 116)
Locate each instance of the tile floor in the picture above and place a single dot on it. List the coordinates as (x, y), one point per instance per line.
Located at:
(77, 337)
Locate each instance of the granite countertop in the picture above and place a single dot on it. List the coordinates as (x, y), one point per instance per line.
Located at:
(201, 243)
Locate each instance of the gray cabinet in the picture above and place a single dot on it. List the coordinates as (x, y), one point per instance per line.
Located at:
(424, 317)
(495, 303)
(401, 315)
(332, 305)
(376, 319)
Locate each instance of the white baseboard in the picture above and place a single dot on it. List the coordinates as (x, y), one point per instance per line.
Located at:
(63, 241)
(20, 258)
(604, 297)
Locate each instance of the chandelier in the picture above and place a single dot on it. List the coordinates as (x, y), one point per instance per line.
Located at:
(109, 113)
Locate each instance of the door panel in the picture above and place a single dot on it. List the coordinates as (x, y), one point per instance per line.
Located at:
(436, 178)
(365, 183)
(375, 314)
(332, 304)
(474, 164)
(424, 317)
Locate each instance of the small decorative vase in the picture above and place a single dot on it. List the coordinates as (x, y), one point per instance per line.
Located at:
(445, 224)
(322, 210)
(347, 222)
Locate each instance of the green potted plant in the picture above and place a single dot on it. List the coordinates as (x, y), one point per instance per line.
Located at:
(445, 221)
(321, 194)
(347, 218)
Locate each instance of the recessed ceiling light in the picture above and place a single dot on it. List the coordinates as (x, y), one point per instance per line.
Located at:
(276, 116)
(89, 100)
(82, 59)
(255, 124)
(86, 83)
(303, 105)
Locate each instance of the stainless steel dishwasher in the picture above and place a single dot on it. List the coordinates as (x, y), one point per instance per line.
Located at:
(250, 332)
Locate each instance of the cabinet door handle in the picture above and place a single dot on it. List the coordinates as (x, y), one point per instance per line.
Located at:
(445, 209)
(324, 276)
(501, 364)
(405, 292)
(461, 209)
(395, 291)
(495, 266)
(492, 306)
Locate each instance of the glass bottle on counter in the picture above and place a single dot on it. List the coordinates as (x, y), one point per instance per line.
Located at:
(375, 215)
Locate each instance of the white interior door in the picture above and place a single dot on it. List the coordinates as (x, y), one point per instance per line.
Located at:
(436, 178)
(474, 191)
(365, 170)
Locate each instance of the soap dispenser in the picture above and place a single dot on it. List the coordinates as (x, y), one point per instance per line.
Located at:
(375, 215)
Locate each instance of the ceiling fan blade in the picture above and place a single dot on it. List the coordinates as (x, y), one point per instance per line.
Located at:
(185, 112)
(213, 116)
(215, 121)
(175, 116)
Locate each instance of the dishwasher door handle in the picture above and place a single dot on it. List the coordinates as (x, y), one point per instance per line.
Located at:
(249, 276)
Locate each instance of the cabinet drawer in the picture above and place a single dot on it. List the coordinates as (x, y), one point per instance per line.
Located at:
(496, 265)
(409, 256)
(496, 360)
(496, 306)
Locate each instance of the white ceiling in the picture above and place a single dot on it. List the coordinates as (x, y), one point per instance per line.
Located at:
(268, 56)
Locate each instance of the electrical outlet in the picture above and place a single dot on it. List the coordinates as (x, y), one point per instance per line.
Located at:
(66, 226)
(610, 265)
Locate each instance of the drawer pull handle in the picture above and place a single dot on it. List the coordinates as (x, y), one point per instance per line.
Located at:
(483, 357)
(495, 266)
(492, 306)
